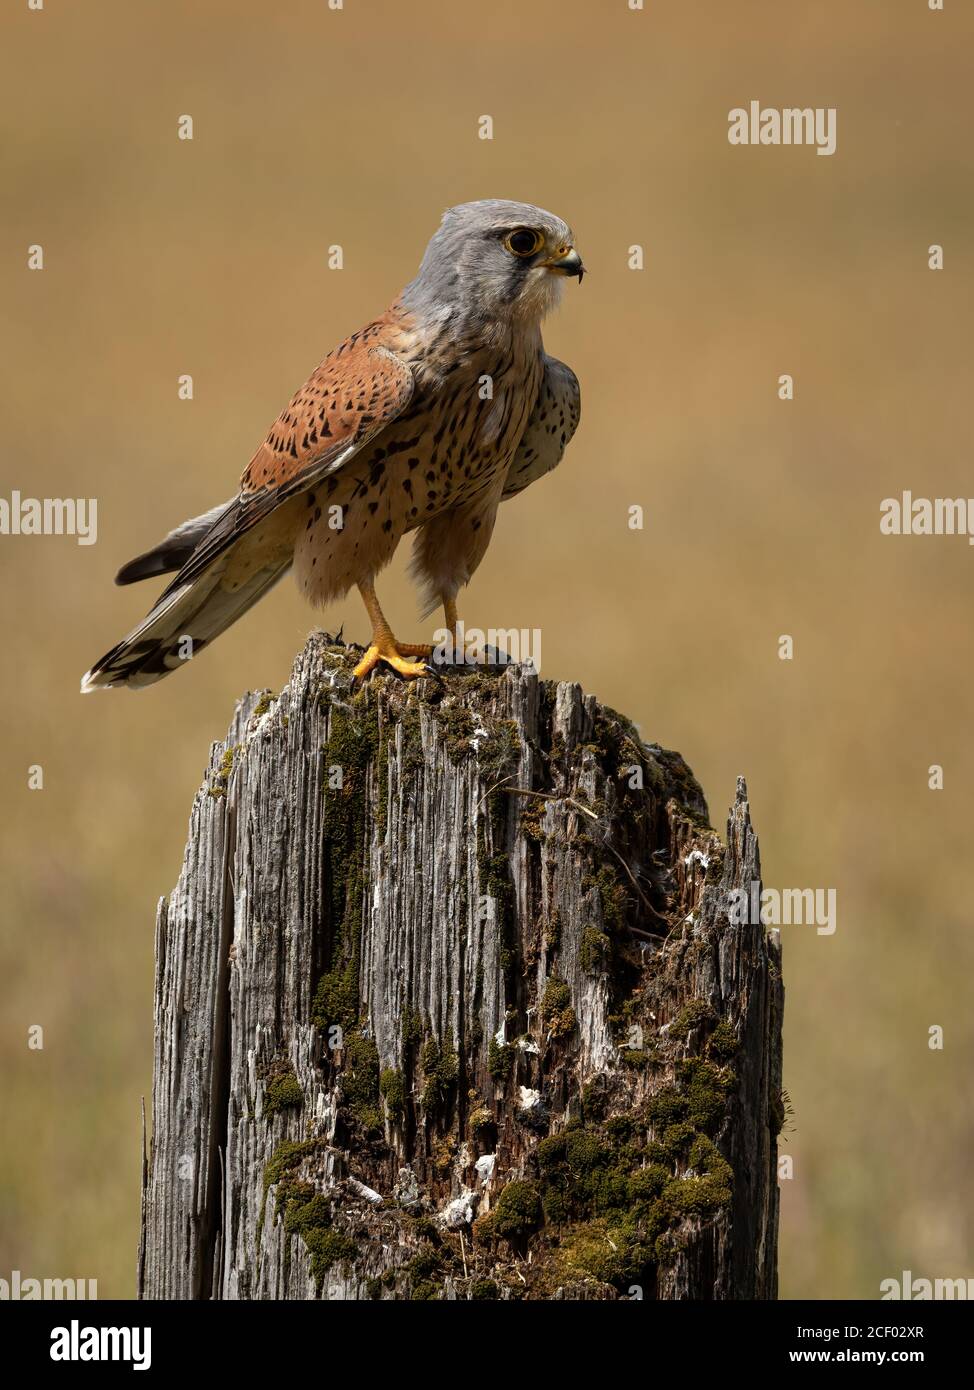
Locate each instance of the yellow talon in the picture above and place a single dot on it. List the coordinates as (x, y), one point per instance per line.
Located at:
(393, 653)
(384, 646)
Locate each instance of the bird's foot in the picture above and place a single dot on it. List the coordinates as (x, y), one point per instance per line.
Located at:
(394, 654)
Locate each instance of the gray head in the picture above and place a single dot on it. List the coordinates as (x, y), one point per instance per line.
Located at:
(493, 261)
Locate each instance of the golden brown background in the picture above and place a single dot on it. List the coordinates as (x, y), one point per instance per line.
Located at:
(358, 127)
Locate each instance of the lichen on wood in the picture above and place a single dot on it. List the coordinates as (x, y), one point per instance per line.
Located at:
(449, 1006)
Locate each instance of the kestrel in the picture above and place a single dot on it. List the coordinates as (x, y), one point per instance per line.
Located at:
(424, 421)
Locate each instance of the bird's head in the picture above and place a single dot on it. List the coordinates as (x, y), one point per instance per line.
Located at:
(495, 261)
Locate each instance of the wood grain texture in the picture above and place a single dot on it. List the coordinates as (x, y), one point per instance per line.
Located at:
(448, 1005)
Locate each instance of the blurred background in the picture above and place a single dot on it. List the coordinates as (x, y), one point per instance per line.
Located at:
(209, 257)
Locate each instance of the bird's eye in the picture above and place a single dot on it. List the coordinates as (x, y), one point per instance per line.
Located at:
(524, 242)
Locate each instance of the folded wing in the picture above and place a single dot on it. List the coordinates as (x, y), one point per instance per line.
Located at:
(228, 558)
(549, 429)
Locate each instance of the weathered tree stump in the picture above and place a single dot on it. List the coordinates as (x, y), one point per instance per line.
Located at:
(449, 1005)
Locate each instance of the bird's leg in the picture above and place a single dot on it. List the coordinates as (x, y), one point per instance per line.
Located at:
(466, 650)
(453, 626)
(451, 649)
(384, 646)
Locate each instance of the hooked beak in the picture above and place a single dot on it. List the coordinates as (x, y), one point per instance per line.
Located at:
(567, 263)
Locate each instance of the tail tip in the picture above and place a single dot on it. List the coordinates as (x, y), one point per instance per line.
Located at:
(91, 681)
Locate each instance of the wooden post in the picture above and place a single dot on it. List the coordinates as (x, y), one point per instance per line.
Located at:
(450, 1004)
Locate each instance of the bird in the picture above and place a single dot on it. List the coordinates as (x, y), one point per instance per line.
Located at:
(422, 422)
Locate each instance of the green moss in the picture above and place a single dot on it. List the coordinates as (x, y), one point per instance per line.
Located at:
(678, 782)
(649, 1182)
(307, 1213)
(359, 1082)
(706, 1087)
(424, 1291)
(382, 783)
(392, 1088)
(612, 728)
(584, 1150)
(594, 950)
(595, 1101)
(481, 1118)
(440, 1065)
(677, 1139)
(557, 996)
(412, 757)
(494, 883)
(336, 997)
(697, 1196)
(530, 821)
(425, 1262)
(705, 1157)
(500, 1059)
(287, 1156)
(590, 1174)
(697, 1013)
(551, 1151)
(666, 1247)
(517, 1214)
(221, 778)
(555, 1205)
(624, 1212)
(353, 746)
(613, 1252)
(301, 1216)
(635, 1057)
(282, 1092)
(556, 1008)
(263, 705)
(621, 1128)
(482, 1290)
(623, 1196)
(412, 1030)
(723, 1040)
(612, 898)
(458, 727)
(425, 1229)
(326, 1248)
(666, 1107)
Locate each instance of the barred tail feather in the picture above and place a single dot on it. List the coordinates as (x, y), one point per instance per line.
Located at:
(185, 620)
(175, 549)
